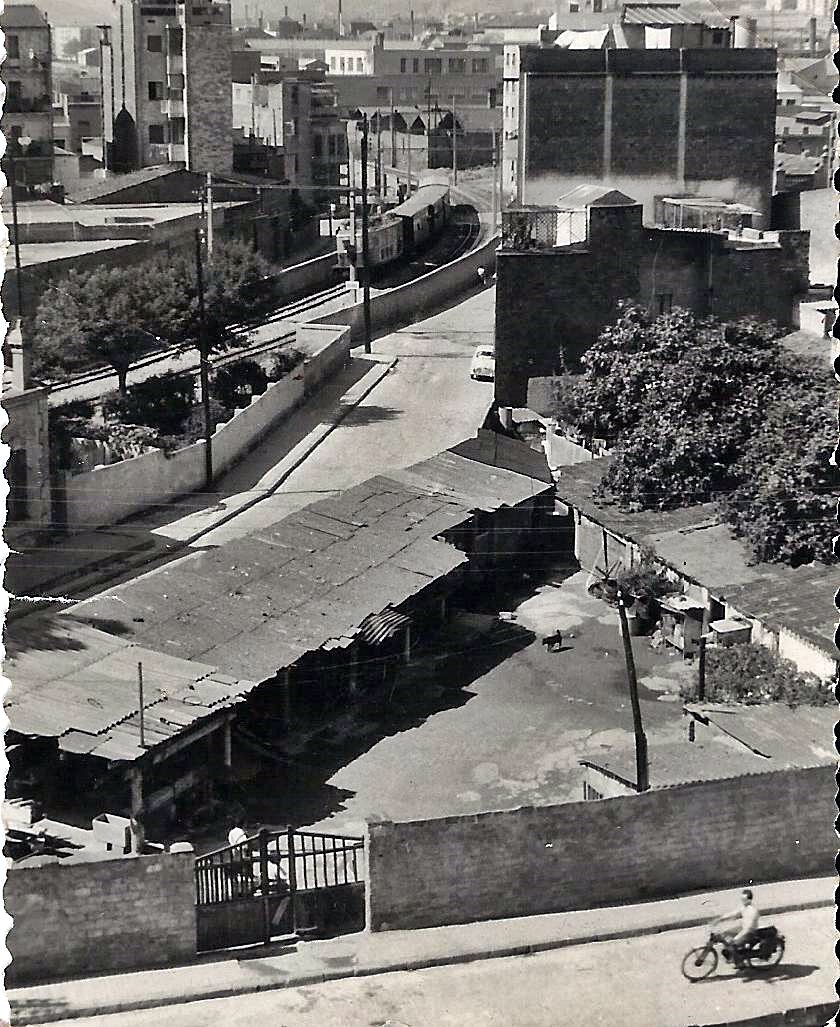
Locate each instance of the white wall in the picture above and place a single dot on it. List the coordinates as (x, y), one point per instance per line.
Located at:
(109, 494)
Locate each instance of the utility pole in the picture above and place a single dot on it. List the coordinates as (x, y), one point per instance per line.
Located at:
(380, 185)
(409, 163)
(352, 204)
(393, 131)
(495, 200)
(642, 782)
(454, 144)
(365, 237)
(142, 706)
(204, 365)
(209, 218)
(701, 670)
(501, 145)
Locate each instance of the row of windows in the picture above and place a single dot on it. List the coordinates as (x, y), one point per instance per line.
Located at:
(334, 147)
(457, 65)
(386, 92)
(346, 63)
(154, 44)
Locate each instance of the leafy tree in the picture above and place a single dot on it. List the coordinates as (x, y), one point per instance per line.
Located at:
(163, 402)
(699, 410)
(752, 675)
(89, 318)
(234, 385)
(115, 316)
(784, 504)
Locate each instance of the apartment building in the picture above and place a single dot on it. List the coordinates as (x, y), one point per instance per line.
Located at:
(171, 85)
(298, 117)
(28, 111)
(647, 122)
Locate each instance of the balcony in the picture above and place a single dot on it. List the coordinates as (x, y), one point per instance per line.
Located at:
(174, 63)
(542, 228)
(173, 105)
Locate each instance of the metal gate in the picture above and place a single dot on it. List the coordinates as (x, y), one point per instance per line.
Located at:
(279, 883)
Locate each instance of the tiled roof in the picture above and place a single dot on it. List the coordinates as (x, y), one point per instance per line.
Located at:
(671, 14)
(106, 186)
(80, 684)
(22, 16)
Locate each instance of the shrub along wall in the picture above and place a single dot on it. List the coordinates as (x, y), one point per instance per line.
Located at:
(668, 841)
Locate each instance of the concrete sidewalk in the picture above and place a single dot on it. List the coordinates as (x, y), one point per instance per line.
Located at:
(78, 564)
(365, 954)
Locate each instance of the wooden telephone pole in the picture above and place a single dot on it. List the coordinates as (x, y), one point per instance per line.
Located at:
(365, 236)
(642, 781)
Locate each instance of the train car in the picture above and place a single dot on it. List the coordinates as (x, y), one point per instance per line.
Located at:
(423, 215)
(385, 241)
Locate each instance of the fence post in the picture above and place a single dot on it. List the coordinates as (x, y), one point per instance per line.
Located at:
(290, 833)
(264, 889)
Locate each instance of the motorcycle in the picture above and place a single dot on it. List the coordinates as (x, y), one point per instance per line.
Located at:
(765, 950)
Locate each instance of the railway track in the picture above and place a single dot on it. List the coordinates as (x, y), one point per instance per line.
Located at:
(67, 391)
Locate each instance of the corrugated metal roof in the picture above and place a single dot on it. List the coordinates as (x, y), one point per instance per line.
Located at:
(264, 601)
(379, 626)
(76, 683)
(671, 14)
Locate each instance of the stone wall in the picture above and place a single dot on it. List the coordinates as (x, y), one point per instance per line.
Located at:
(88, 918)
(523, 862)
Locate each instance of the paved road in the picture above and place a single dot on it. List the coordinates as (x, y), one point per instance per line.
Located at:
(635, 982)
(427, 403)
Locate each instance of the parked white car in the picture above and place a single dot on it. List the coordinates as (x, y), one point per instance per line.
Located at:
(484, 364)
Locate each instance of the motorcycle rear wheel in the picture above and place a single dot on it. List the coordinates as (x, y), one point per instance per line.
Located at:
(756, 962)
(699, 963)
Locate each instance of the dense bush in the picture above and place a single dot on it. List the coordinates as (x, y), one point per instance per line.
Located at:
(285, 361)
(752, 674)
(163, 402)
(235, 384)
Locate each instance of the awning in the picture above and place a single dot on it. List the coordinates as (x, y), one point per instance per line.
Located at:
(378, 627)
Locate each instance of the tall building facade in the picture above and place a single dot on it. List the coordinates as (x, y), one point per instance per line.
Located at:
(169, 85)
(28, 111)
(648, 122)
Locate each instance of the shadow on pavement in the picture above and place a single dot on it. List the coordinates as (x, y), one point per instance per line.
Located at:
(782, 972)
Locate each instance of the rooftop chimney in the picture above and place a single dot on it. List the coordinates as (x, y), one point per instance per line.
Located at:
(411, 14)
(340, 21)
(812, 35)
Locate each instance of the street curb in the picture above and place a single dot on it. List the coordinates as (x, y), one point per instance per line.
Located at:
(803, 1016)
(424, 963)
(300, 452)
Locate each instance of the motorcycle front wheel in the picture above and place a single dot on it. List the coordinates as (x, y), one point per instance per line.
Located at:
(699, 963)
(758, 962)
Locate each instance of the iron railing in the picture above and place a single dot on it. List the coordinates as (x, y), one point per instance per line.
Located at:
(278, 862)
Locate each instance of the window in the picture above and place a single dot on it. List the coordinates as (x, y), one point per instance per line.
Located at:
(154, 44)
(433, 66)
(574, 6)
(60, 143)
(177, 129)
(156, 134)
(13, 48)
(415, 65)
(155, 90)
(597, 6)
(333, 61)
(344, 64)
(403, 65)
(786, 130)
(457, 66)
(664, 302)
(174, 40)
(360, 64)
(717, 37)
(15, 90)
(479, 66)
(493, 98)
(804, 130)
(381, 92)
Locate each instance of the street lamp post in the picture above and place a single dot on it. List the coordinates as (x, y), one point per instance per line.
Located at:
(23, 143)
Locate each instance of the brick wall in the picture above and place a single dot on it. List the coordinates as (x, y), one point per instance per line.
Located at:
(565, 128)
(209, 98)
(523, 862)
(87, 918)
(645, 125)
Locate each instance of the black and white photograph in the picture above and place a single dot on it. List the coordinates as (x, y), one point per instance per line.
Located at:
(420, 432)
